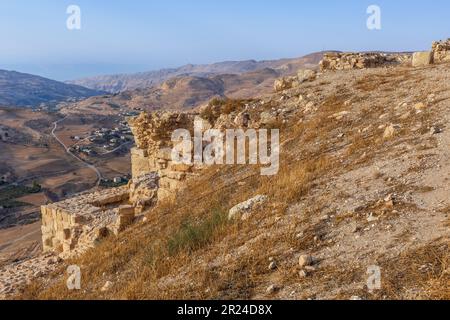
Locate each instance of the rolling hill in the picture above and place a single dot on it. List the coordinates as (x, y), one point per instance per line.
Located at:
(26, 90)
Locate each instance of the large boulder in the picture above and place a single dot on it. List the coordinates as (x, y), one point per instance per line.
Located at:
(421, 59)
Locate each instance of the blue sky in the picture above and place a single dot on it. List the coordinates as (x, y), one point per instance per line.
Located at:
(140, 35)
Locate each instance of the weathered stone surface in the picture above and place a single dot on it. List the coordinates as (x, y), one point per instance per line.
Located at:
(390, 132)
(421, 59)
(346, 61)
(441, 51)
(241, 210)
(306, 75)
(302, 76)
(73, 223)
(283, 84)
(305, 260)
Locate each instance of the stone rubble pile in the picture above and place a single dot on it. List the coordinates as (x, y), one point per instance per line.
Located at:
(333, 61)
(441, 51)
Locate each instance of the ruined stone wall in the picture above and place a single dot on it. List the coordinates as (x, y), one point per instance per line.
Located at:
(333, 61)
(74, 225)
(71, 226)
(153, 151)
(441, 51)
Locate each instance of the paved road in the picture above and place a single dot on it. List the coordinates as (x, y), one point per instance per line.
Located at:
(90, 166)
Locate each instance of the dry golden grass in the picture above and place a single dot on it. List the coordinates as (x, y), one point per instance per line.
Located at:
(424, 271)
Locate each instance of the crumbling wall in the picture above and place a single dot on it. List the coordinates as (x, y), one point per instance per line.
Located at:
(76, 224)
(333, 61)
(441, 51)
(153, 151)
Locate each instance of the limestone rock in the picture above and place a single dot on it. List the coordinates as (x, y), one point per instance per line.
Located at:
(283, 84)
(272, 265)
(441, 51)
(306, 75)
(272, 289)
(108, 285)
(239, 210)
(334, 61)
(305, 260)
(390, 132)
(421, 59)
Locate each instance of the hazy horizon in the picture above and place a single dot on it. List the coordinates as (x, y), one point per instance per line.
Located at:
(154, 35)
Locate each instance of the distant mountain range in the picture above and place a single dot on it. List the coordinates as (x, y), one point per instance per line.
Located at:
(179, 88)
(26, 90)
(188, 90)
(124, 82)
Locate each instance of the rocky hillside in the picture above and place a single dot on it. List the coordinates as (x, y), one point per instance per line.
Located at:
(26, 90)
(124, 82)
(363, 184)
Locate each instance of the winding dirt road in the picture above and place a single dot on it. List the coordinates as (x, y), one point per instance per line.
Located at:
(90, 166)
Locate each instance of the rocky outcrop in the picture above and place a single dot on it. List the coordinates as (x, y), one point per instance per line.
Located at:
(334, 61)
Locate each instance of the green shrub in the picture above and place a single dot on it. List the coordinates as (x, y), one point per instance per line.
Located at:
(193, 236)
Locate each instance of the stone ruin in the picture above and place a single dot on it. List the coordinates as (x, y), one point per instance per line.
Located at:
(76, 224)
(333, 61)
(441, 51)
(153, 151)
(73, 225)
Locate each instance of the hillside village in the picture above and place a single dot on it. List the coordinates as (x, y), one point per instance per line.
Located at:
(363, 181)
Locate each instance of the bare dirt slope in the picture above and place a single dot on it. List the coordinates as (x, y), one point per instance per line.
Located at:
(363, 182)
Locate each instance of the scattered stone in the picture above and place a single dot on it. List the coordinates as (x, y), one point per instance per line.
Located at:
(272, 289)
(435, 130)
(272, 265)
(305, 260)
(306, 75)
(371, 218)
(310, 269)
(390, 132)
(108, 285)
(420, 106)
(302, 274)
